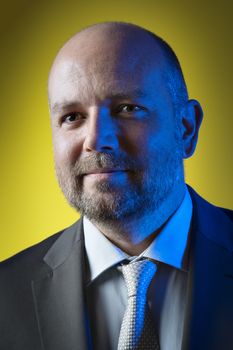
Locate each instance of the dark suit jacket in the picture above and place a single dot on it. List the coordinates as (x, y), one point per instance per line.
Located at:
(42, 300)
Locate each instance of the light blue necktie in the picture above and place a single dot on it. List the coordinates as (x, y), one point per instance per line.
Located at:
(137, 331)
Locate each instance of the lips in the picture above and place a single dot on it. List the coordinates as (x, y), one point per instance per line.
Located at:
(104, 171)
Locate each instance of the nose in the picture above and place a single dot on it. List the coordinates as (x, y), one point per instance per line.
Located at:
(101, 134)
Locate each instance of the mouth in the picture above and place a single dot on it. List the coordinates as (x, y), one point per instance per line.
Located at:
(105, 174)
(104, 171)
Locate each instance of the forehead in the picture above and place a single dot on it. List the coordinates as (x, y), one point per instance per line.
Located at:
(70, 83)
(95, 73)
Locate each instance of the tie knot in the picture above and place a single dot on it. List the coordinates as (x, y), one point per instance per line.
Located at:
(138, 276)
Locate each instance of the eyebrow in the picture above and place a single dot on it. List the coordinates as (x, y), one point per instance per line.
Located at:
(60, 106)
(136, 93)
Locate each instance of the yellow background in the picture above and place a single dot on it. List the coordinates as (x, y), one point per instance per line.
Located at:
(200, 32)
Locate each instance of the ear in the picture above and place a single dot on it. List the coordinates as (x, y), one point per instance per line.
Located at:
(192, 116)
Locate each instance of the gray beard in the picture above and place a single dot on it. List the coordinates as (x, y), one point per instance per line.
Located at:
(111, 204)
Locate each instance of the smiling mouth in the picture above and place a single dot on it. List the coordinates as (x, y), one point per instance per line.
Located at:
(105, 174)
(105, 171)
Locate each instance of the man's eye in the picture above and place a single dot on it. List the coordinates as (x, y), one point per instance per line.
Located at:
(128, 108)
(71, 117)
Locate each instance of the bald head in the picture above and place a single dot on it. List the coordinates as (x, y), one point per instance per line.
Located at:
(104, 45)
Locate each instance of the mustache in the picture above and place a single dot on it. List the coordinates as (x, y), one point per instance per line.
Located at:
(100, 161)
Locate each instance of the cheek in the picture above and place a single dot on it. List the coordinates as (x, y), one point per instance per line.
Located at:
(66, 149)
(149, 143)
(134, 138)
(145, 137)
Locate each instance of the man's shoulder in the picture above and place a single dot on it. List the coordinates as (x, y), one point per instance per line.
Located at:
(37, 249)
(212, 221)
(210, 207)
(29, 259)
(228, 212)
(23, 264)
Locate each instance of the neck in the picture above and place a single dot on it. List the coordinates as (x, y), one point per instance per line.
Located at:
(135, 235)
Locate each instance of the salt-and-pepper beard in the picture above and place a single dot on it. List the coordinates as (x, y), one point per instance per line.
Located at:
(111, 203)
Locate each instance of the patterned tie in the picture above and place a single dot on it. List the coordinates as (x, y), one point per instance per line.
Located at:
(137, 332)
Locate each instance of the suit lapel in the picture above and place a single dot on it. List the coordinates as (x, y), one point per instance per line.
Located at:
(60, 301)
(208, 315)
(59, 296)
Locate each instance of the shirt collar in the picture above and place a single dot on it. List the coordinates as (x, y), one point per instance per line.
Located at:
(168, 247)
(101, 252)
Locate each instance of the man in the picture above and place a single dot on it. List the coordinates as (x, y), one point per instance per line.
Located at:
(122, 124)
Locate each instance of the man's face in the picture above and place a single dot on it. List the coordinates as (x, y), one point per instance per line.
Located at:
(117, 149)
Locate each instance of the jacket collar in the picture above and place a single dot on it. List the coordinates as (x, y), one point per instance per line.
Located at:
(59, 298)
(210, 220)
(63, 246)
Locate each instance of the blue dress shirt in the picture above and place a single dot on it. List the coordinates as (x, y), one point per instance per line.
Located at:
(106, 290)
